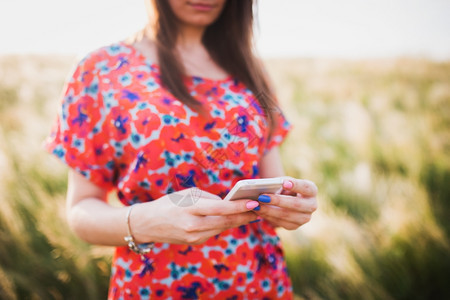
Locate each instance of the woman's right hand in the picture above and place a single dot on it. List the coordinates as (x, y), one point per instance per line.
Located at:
(97, 222)
(164, 221)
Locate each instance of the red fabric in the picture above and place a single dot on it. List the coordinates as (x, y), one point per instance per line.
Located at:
(118, 127)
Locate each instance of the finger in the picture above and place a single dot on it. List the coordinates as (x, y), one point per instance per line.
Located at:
(232, 221)
(206, 207)
(208, 223)
(222, 223)
(270, 211)
(282, 223)
(304, 187)
(290, 193)
(209, 226)
(305, 205)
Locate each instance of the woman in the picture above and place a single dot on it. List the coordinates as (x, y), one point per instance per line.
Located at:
(184, 112)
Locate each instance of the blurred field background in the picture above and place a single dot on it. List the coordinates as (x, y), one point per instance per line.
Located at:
(373, 134)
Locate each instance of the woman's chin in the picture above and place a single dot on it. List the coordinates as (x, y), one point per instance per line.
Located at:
(201, 21)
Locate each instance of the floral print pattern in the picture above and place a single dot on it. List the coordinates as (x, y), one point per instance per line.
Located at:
(122, 130)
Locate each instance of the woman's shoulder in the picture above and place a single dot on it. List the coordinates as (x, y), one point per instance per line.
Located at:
(108, 57)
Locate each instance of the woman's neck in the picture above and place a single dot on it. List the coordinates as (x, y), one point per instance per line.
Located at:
(190, 37)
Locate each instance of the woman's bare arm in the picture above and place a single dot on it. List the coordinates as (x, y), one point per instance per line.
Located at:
(270, 165)
(90, 216)
(97, 222)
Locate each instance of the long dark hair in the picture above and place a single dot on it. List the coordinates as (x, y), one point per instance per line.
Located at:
(229, 41)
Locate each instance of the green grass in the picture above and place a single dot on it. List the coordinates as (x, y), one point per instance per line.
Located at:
(375, 138)
(373, 135)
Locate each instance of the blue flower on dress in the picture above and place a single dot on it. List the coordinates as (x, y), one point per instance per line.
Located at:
(119, 123)
(125, 79)
(190, 292)
(130, 95)
(81, 118)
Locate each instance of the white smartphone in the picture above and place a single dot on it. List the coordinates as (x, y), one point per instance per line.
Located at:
(252, 188)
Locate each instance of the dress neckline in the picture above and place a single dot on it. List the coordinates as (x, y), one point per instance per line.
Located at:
(137, 53)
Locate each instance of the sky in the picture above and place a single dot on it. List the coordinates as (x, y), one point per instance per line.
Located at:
(286, 28)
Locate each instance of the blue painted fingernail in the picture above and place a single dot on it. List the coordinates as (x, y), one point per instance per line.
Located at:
(264, 199)
(257, 208)
(255, 221)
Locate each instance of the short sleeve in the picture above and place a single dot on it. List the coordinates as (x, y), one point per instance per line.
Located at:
(79, 136)
(279, 133)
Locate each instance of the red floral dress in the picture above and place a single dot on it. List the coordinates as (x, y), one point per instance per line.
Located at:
(120, 129)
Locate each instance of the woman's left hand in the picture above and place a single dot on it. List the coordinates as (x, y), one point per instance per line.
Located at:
(291, 208)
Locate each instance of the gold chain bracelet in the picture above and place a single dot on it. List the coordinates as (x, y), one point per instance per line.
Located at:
(140, 249)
